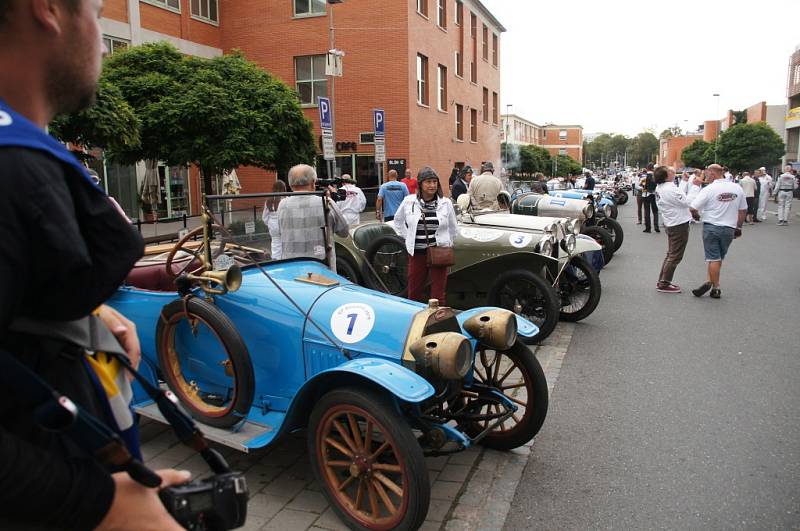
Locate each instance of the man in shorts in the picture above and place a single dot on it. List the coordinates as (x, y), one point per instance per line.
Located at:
(723, 207)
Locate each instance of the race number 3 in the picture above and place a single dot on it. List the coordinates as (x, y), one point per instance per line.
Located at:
(352, 322)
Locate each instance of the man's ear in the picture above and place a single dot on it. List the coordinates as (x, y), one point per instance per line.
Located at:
(48, 14)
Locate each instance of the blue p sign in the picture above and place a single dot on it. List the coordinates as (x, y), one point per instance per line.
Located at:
(325, 113)
(379, 121)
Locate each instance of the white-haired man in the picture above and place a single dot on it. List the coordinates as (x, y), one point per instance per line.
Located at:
(301, 221)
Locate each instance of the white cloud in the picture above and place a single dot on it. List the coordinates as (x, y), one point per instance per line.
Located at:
(625, 65)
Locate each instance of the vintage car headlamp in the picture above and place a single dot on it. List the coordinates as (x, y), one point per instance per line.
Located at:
(569, 243)
(545, 245)
(588, 211)
(607, 210)
(447, 354)
(495, 328)
(573, 227)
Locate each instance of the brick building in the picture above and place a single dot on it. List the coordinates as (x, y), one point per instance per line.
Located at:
(792, 119)
(557, 139)
(432, 65)
(670, 149)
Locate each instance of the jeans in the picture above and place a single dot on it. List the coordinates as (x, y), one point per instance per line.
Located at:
(784, 205)
(716, 241)
(677, 238)
(650, 204)
(418, 271)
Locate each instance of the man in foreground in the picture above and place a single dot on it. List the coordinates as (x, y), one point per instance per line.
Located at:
(723, 207)
(64, 249)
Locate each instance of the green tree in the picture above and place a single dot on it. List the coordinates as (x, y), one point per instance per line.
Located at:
(109, 124)
(670, 132)
(563, 165)
(748, 146)
(643, 149)
(534, 159)
(597, 150)
(695, 155)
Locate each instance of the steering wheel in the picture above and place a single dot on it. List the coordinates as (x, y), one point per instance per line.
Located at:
(175, 270)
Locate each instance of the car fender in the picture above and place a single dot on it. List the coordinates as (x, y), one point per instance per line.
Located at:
(525, 328)
(585, 245)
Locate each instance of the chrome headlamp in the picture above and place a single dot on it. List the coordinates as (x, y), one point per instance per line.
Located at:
(447, 354)
(569, 243)
(588, 211)
(545, 245)
(607, 210)
(495, 328)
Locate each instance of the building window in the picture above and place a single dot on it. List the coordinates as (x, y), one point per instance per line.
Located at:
(473, 66)
(442, 92)
(441, 14)
(494, 108)
(114, 44)
(422, 7)
(459, 64)
(544, 133)
(473, 125)
(207, 10)
(494, 49)
(310, 80)
(459, 13)
(562, 134)
(307, 7)
(174, 5)
(485, 104)
(485, 43)
(562, 151)
(459, 122)
(797, 74)
(422, 79)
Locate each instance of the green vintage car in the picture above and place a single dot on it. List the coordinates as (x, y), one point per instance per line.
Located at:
(538, 274)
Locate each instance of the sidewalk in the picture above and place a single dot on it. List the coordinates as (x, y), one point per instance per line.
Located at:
(469, 490)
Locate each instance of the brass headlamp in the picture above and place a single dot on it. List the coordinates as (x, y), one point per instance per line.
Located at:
(495, 328)
(447, 354)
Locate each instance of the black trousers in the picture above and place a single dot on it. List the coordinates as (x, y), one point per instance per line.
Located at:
(650, 204)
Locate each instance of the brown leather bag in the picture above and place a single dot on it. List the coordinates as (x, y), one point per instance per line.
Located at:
(438, 256)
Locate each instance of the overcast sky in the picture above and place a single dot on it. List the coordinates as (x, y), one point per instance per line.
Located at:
(620, 66)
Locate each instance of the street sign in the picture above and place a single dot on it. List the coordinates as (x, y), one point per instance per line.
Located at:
(249, 227)
(379, 121)
(380, 152)
(328, 151)
(378, 117)
(325, 119)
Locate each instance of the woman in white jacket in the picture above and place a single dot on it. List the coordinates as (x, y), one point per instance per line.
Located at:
(424, 220)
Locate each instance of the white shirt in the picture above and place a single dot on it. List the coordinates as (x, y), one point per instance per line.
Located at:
(720, 203)
(748, 184)
(683, 185)
(672, 204)
(353, 205)
(408, 214)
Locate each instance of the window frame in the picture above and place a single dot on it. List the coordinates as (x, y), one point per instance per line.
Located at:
(313, 80)
(111, 39)
(310, 13)
(423, 79)
(459, 20)
(562, 134)
(422, 8)
(485, 108)
(201, 18)
(473, 65)
(163, 5)
(441, 14)
(441, 88)
(495, 44)
(485, 43)
(473, 125)
(495, 101)
(459, 122)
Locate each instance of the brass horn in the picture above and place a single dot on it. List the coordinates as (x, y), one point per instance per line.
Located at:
(229, 280)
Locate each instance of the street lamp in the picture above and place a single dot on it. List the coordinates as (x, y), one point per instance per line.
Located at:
(508, 107)
(716, 140)
(331, 49)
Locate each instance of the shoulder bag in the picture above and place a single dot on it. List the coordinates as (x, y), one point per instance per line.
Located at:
(438, 256)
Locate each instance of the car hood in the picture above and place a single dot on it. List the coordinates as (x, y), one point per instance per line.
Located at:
(517, 221)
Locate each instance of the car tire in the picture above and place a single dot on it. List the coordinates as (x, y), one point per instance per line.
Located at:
(504, 293)
(621, 197)
(579, 277)
(520, 428)
(614, 211)
(179, 340)
(389, 260)
(615, 229)
(352, 411)
(347, 269)
(604, 238)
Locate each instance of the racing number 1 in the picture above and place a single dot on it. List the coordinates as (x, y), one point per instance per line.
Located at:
(352, 317)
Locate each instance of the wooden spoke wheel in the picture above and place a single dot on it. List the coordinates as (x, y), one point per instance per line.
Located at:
(179, 264)
(366, 456)
(517, 374)
(205, 362)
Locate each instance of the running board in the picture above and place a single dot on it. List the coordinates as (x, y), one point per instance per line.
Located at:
(244, 437)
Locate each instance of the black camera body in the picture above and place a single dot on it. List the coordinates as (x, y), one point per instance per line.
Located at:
(338, 195)
(217, 503)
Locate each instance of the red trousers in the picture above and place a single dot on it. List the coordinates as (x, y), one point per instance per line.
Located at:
(418, 271)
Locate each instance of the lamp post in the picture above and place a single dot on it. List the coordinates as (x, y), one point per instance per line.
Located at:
(716, 140)
(331, 49)
(508, 107)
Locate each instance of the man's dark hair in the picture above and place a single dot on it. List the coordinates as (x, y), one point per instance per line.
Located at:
(660, 175)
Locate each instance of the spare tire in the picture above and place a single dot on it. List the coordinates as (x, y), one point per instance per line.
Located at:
(387, 265)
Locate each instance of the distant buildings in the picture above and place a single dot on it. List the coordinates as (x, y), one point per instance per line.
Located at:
(556, 139)
(792, 118)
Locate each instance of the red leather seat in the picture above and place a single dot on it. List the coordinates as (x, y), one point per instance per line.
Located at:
(151, 277)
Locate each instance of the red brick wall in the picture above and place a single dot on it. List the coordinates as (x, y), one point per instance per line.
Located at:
(116, 10)
(180, 25)
(433, 135)
(757, 112)
(710, 130)
(674, 147)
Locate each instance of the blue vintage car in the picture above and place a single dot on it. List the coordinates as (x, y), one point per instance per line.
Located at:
(258, 351)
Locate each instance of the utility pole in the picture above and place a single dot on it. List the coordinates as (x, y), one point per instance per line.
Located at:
(332, 163)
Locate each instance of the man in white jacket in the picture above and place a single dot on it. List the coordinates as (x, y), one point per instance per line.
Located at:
(785, 186)
(766, 190)
(355, 202)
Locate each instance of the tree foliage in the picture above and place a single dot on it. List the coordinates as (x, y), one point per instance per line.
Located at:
(109, 124)
(747, 146)
(696, 154)
(534, 159)
(643, 149)
(563, 165)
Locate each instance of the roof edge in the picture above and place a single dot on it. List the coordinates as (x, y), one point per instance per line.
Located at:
(488, 14)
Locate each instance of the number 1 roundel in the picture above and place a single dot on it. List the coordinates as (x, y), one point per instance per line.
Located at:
(352, 322)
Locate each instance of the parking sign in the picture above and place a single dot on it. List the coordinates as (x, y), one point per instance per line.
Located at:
(379, 122)
(325, 121)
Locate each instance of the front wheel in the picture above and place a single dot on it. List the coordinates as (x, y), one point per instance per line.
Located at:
(517, 374)
(622, 197)
(528, 295)
(365, 455)
(615, 229)
(602, 237)
(579, 287)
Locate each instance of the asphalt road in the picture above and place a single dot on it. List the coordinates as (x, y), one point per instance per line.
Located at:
(672, 412)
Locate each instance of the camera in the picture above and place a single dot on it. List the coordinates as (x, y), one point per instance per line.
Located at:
(338, 195)
(217, 503)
